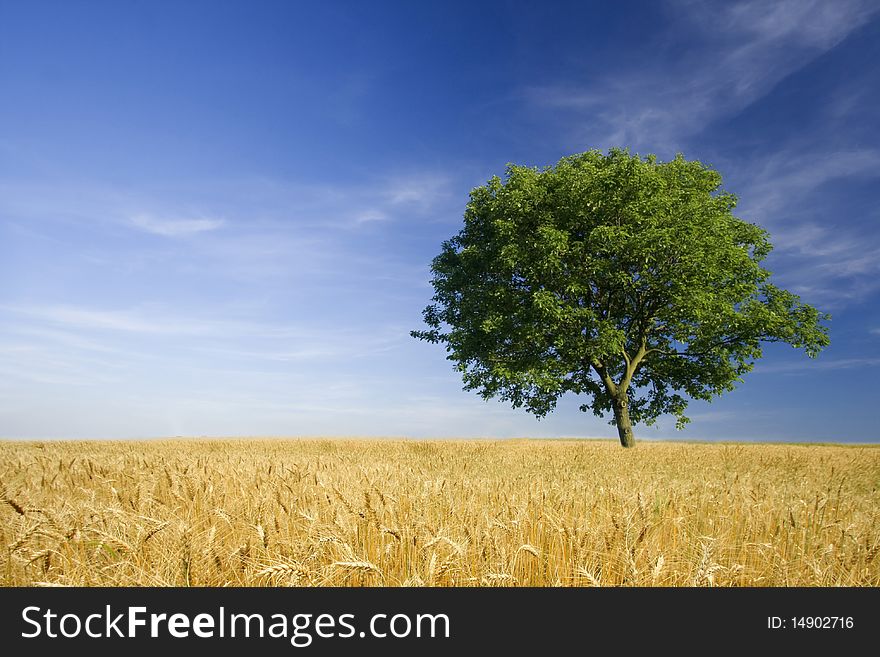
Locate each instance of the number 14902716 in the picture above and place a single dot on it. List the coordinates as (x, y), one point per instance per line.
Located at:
(810, 623)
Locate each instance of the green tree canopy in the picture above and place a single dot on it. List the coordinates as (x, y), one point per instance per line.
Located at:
(616, 277)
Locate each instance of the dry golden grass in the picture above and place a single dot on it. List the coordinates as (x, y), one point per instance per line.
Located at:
(456, 513)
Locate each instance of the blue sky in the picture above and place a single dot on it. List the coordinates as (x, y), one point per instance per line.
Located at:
(217, 218)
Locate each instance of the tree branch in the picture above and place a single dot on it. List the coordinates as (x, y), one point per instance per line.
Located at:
(721, 343)
(632, 364)
(602, 371)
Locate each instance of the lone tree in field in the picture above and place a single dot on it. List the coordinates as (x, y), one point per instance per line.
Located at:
(622, 278)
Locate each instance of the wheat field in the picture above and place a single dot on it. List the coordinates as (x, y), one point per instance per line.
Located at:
(357, 512)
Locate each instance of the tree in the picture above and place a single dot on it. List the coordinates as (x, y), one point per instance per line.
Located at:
(614, 276)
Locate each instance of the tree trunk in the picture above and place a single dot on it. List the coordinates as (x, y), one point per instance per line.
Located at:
(621, 419)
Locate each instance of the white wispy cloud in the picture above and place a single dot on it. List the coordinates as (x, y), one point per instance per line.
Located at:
(779, 180)
(812, 23)
(229, 339)
(168, 227)
(422, 190)
(128, 321)
(741, 50)
(807, 365)
(370, 215)
(65, 338)
(828, 257)
(304, 241)
(39, 362)
(181, 210)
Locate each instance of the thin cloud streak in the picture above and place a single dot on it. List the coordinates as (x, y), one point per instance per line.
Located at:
(828, 258)
(160, 322)
(179, 210)
(753, 46)
(798, 172)
(818, 364)
(174, 227)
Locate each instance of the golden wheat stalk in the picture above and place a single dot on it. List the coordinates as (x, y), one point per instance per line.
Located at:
(358, 566)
